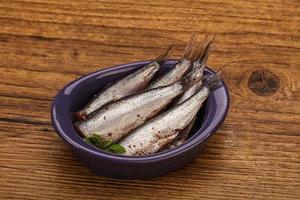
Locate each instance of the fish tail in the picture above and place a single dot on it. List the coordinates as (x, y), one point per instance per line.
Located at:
(202, 52)
(213, 82)
(206, 51)
(165, 56)
(188, 51)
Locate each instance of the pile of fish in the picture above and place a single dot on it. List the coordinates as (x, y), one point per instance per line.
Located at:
(143, 115)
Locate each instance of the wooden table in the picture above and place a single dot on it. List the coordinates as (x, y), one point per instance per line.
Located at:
(46, 44)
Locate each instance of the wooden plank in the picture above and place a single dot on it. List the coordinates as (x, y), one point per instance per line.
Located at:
(46, 44)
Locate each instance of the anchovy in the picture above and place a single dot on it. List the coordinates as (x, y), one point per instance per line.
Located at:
(197, 70)
(159, 131)
(118, 118)
(128, 85)
(180, 68)
(183, 135)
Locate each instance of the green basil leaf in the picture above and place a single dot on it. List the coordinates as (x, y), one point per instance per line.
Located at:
(117, 148)
(94, 139)
(106, 144)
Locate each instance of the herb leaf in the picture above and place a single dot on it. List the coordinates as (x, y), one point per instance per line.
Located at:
(106, 145)
(117, 148)
(94, 139)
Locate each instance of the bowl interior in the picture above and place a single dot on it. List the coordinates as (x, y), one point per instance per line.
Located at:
(77, 93)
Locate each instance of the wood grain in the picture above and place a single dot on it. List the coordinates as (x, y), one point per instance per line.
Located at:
(46, 44)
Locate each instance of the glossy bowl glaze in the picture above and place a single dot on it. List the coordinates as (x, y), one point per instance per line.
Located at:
(77, 93)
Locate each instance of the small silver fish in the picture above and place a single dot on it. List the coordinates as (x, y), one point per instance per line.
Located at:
(180, 68)
(159, 131)
(128, 85)
(118, 118)
(197, 71)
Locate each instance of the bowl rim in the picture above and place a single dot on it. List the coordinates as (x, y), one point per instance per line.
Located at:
(200, 135)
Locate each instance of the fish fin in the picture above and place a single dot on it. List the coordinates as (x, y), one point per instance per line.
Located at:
(165, 56)
(188, 51)
(213, 82)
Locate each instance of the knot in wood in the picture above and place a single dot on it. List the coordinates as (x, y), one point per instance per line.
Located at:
(263, 82)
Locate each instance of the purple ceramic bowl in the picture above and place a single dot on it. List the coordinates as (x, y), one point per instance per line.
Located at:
(77, 93)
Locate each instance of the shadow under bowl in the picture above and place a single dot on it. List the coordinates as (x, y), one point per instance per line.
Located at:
(77, 93)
